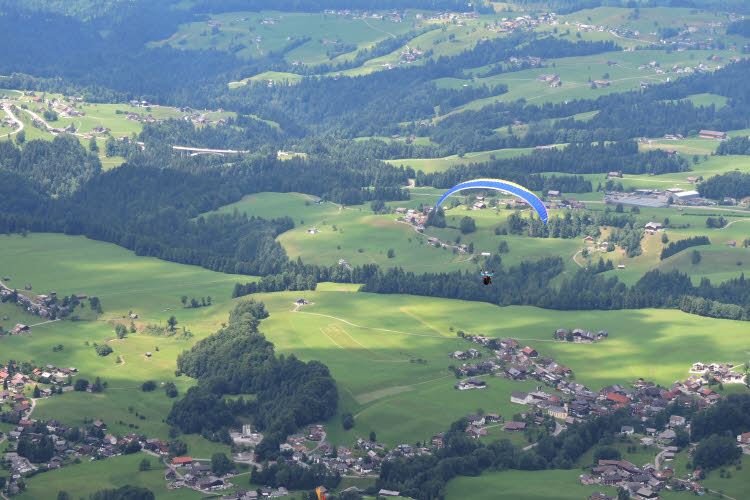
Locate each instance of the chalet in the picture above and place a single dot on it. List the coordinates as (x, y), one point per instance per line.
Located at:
(492, 417)
(514, 426)
(100, 425)
(712, 134)
(676, 420)
(744, 438)
(182, 461)
(732, 243)
(475, 419)
(479, 205)
(558, 412)
(553, 193)
(437, 440)
(646, 494)
(653, 226)
(613, 175)
(692, 180)
(459, 355)
(602, 83)
(586, 479)
(528, 351)
(616, 398)
(627, 429)
(599, 496)
(312, 230)
(480, 384)
(518, 397)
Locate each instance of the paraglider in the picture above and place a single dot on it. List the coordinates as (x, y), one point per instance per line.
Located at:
(507, 187)
(501, 185)
(487, 277)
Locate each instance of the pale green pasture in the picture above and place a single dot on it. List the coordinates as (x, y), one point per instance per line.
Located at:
(87, 478)
(237, 31)
(429, 165)
(300, 207)
(576, 74)
(350, 333)
(530, 485)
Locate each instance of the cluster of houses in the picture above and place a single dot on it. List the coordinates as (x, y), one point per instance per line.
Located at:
(186, 472)
(645, 481)
(93, 443)
(414, 217)
(510, 361)
(579, 335)
(44, 306)
(476, 427)
(567, 204)
(553, 79)
(719, 372)
(410, 55)
(17, 381)
(642, 483)
(394, 16)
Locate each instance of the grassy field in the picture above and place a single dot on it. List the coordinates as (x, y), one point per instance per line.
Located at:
(246, 35)
(86, 478)
(349, 332)
(642, 455)
(359, 236)
(429, 165)
(529, 485)
(149, 287)
(577, 73)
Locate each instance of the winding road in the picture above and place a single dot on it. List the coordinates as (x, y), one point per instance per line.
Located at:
(13, 118)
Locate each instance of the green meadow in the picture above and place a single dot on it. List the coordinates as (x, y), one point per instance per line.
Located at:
(648, 19)
(84, 479)
(530, 485)
(388, 353)
(430, 165)
(577, 73)
(350, 331)
(300, 207)
(146, 286)
(248, 36)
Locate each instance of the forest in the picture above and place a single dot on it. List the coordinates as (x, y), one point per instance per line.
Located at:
(731, 184)
(584, 158)
(58, 167)
(678, 246)
(239, 360)
(527, 284)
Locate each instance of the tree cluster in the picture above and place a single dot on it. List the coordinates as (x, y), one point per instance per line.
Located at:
(677, 246)
(239, 360)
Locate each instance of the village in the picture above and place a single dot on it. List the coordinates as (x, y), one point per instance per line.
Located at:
(564, 402)
(568, 402)
(48, 307)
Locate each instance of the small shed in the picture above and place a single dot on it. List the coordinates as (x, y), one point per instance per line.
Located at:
(148, 354)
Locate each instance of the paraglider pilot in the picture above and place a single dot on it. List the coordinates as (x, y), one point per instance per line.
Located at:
(487, 277)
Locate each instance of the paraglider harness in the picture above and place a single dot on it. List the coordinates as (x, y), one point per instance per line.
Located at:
(487, 277)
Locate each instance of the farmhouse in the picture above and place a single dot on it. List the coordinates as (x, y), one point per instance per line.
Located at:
(514, 426)
(712, 134)
(653, 226)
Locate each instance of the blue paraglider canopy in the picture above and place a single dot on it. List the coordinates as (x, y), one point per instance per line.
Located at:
(501, 185)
